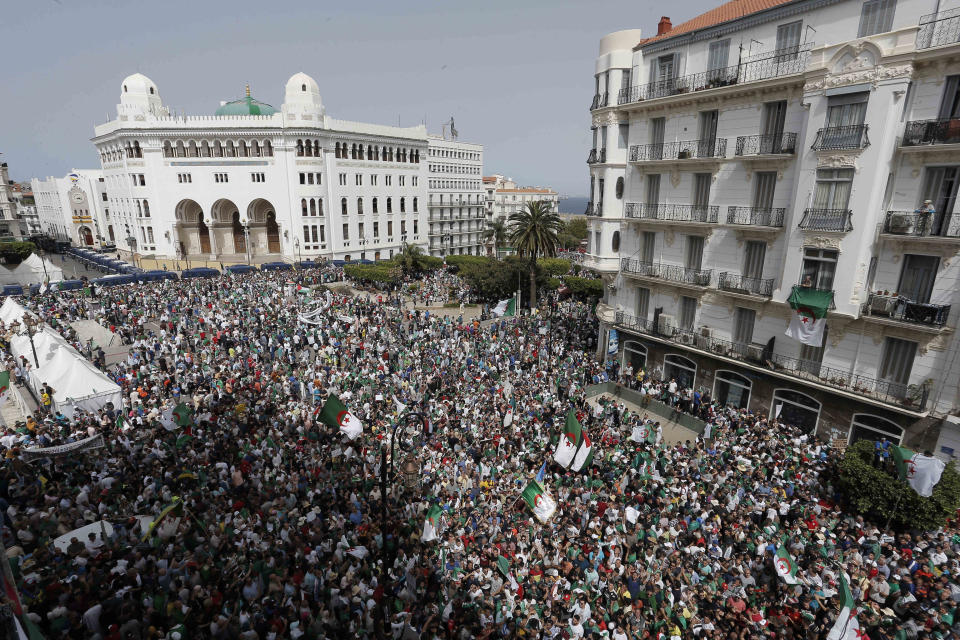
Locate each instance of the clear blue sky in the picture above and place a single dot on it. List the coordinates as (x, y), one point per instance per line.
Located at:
(516, 75)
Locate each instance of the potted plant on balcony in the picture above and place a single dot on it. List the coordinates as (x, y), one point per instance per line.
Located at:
(900, 223)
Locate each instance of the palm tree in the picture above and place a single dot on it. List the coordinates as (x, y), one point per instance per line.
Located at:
(497, 231)
(534, 232)
(410, 259)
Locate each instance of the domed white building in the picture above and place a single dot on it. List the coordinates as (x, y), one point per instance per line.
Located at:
(257, 182)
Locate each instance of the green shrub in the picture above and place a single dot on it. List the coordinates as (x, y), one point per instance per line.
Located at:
(381, 273)
(554, 283)
(430, 263)
(874, 493)
(585, 287)
(554, 266)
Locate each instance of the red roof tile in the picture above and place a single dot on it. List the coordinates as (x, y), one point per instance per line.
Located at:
(724, 13)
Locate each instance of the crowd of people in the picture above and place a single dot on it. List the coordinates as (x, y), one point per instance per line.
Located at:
(276, 527)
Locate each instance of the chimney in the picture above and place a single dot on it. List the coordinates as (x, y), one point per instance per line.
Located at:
(664, 25)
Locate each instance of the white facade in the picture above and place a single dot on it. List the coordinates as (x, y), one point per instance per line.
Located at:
(797, 161)
(9, 223)
(257, 183)
(455, 196)
(75, 208)
(504, 196)
(25, 210)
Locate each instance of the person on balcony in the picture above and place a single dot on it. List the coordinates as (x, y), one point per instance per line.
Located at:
(925, 214)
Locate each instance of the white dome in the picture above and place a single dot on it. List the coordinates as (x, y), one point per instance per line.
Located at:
(138, 84)
(139, 96)
(302, 96)
(301, 83)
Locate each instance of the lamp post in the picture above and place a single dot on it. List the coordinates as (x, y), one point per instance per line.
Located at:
(385, 475)
(132, 245)
(28, 322)
(246, 241)
(296, 243)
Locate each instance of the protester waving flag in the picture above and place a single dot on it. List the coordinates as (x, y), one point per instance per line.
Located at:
(785, 566)
(182, 415)
(335, 414)
(567, 447)
(175, 508)
(506, 307)
(920, 471)
(431, 525)
(847, 627)
(539, 501)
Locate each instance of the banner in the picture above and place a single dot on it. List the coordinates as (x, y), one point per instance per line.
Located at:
(613, 344)
(95, 442)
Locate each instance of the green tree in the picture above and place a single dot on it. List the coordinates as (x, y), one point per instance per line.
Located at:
(16, 252)
(498, 232)
(534, 232)
(554, 266)
(573, 233)
(412, 260)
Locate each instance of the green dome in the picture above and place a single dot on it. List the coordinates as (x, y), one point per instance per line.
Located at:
(246, 107)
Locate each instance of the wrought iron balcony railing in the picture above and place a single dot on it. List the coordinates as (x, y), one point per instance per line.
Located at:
(827, 220)
(597, 155)
(669, 272)
(673, 212)
(683, 150)
(912, 397)
(767, 144)
(938, 29)
(600, 100)
(923, 132)
(592, 156)
(906, 310)
(763, 66)
(916, 223)
(739, 284)
(594, 209)
(756, 216)
(852, 136)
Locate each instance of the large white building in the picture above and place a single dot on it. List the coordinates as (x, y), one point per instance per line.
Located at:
(455, 198)
(10, 224)
(504, 196)
(75, 208)
(261, 183)
(772, 144)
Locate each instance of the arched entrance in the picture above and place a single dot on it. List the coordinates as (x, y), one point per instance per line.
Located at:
(273, 233)
(223, 213)
(796, 408)
(239, 242)
(679, 368)
(264, 233)
(731, 388)
(634, 354)
(193, 236)
(86, 236)
(866, 426)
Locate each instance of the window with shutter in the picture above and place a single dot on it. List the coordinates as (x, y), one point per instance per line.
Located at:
(876, 16)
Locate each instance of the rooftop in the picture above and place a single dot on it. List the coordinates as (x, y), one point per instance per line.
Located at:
(732, 10)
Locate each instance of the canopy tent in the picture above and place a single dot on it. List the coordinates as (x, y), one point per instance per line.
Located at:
(12, 311)
(36, 270)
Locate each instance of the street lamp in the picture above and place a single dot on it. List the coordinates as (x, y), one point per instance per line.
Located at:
(30, 325)
(246, 241)
(296, 243)
(132, 245)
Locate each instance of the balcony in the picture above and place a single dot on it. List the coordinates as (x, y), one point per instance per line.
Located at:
(694, 213)
(756, 216)
(939, 29)
(597, 155)
(915, 224)
(685, 150)
(763, 359)
(920, 133)
(767, 145)
(668, 272)
(853, 136)
(903, 309)
(594, 209)
(733, 283)
(826, 220)
(600, 100)
(763, 66)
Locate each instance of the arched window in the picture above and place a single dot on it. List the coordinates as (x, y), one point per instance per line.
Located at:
(303, 87)
(146, 209)
(267, 148)
(376, 208)
(731, 388)
(299, 147)
(619, 187)
(320, 206)
(369, 152)
(313, 207)
(343, 206)
(231, 150)
(217, 149)
(353, 151)
(360, 206)
(181, 151)
(139, 208)
(124, 88)
(137, 152)
(866, 426)
(192, 150)
(303, 206)
(242, 149)
(403, 205)
(615, 241)
(415, 207)
(167, 149)
(129, 149)
(634, 354)
(383, 154)
(205, 149)
(389, 205)
(795, 408)
(255, 149)
(679, 368)
(309, 149)
(316, 148)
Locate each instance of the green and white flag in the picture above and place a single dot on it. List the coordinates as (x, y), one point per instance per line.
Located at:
(921, 472)
(504, 566)
(584, 455)
(644, 433)
(809, 318)
(506, 307)
(786, 567)
(432, 524)
(182, 415)
(4, 386)
(847, 627)
(335, 414)
(567, 447)
(539, 501)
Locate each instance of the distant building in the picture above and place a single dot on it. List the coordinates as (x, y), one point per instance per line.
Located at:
(9, 224)
(75, 208)
(504, 196)
(26, 209)
(455, 196)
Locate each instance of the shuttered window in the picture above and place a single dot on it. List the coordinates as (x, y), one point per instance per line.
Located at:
(719, 55)
(688, 312)
(648, 247)
(766, 184)
(694, 252)
(643, 302)
(701, 189)
(753, 259)
(897, 360)
(876, 16)
(743, 323)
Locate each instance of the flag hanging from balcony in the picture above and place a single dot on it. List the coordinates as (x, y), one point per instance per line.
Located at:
(809, 318)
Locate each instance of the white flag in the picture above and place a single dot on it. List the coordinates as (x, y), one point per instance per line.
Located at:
(583, 453)
(566, 449)
(806, 328)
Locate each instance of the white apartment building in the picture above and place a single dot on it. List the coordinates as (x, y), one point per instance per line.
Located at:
(455, 198)
(25, 210)
(776, 144)
(259, 183)
(9, 223)
(504, 196)
(75, 208)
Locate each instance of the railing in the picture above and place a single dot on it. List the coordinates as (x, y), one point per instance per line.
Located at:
(938, 29)
(942, 131)
(756, 216)
(913, 397)
(670, 272)
(767, 144)
(594, 209)
(683, 150)
(740, 284)
(826, 220)
(852, 136)
(597, 155)
(600, 100)
(917, 223)
(906, 310)
(673, 212)
(764, 66)
(592, 156)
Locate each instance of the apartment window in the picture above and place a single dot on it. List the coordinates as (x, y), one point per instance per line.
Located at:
(876, 16)
(623, 134)
(376, 229)
(320, 206)
(258, 177)
(719, 55)
(819, 268)
(376, 207)
(306, 233)
(753, 257)
(415, 227)
(694, 252)
(414, 181)
(766, 183)
(416, 206)
(658, 128)
(788, 39)
(360, 206)
(103, 196)
(743, 322)
(664, 68)
(833, 189)
(303, 178)
(309, 178)
(897, 361)
(940, 184)
(643, 302)
(701, 189)
(400, 180)
(346, 231)
(950, 103)
(688, 313)
(403, 205)
(774, 118)
(603, 137)
(708, 131)
(600, 193)
(358, 180)
(389, 228)
(343, 179)
(343, 206)
(150, 235)
(917, 277)
(373, 180)
(387, 180)
(360, 233)
(648, 244)
(322, 237)
(653, 188)
(389, 205)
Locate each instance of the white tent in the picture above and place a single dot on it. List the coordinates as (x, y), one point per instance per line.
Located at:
(11, 311)
(35, 270)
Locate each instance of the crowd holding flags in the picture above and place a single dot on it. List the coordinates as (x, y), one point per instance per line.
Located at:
(921, 472)
(335, 414)
(847, 627)
(785, 566)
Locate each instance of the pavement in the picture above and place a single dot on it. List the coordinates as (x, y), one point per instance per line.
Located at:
(11, 411)
(672, 432)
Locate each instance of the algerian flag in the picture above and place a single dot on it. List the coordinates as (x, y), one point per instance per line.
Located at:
(584, 455)
(847, 627)
(504, 566)
(786, 567)
(539, 501)
(335, 414)
(506, 307)
(4, 386)
(182, 415)
(175, 507)
(921, 472)
(431, 524)
(643, 433)
(808, 321)
(567, 447)
(508, 418)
